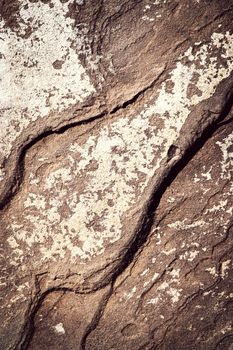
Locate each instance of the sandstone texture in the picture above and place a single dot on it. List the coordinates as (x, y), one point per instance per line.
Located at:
(116, 164)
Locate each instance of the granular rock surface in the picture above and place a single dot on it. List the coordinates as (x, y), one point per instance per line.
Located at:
(116, 164)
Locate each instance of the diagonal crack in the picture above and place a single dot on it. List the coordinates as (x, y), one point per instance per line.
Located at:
(97, 316)
(146, 220)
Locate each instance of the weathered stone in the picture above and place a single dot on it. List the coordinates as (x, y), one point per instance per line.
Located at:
(102, 105)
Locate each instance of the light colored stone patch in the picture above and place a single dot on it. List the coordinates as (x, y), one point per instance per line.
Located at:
(128, 296)
(225, 267)
(196, 178)
(171, 200)
(189, 255)
(228, 328)
(168, 252)
(39, 73)
(155, 10)
(227, 156)
(2, 173)
(153, 301)
(207, 174)
(175, 294)
(221, 206)
(17, 294)
(167, 289)
(185, 225)
(211, 73)
(147, 18)
(212, 271)
(59, 328)
(144, 272)
(157, 2)
(124, 157)
(175, 273)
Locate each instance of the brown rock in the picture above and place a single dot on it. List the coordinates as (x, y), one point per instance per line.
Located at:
(116, 174)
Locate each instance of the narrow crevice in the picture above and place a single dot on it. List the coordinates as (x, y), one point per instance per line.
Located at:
(147, 220)
(28, 328)
(148, 217)
(96, 319)
(226, 122)
(140, 93)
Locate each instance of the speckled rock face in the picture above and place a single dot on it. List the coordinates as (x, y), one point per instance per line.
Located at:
(116, 174)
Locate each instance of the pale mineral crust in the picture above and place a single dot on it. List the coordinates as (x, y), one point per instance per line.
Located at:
(116, 160)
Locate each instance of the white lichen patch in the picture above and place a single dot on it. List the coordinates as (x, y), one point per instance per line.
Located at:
(154, 11)
(101, 178)
(185, 225)
(175, 294)
(39, 72)
(153, 301)
(212, 271)
(206, 175)
(169, 252)
(221, 206)
(225, 267)
(227, 156)
(189, 255)
(167, 289)
(59, 328)
(129, 295)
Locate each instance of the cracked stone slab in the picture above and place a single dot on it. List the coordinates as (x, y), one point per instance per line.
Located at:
(83, 192)
(178, 291)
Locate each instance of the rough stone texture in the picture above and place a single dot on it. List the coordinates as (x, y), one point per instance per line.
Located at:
(116, 174)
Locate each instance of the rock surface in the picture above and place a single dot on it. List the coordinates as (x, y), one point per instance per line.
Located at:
(116, 174)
